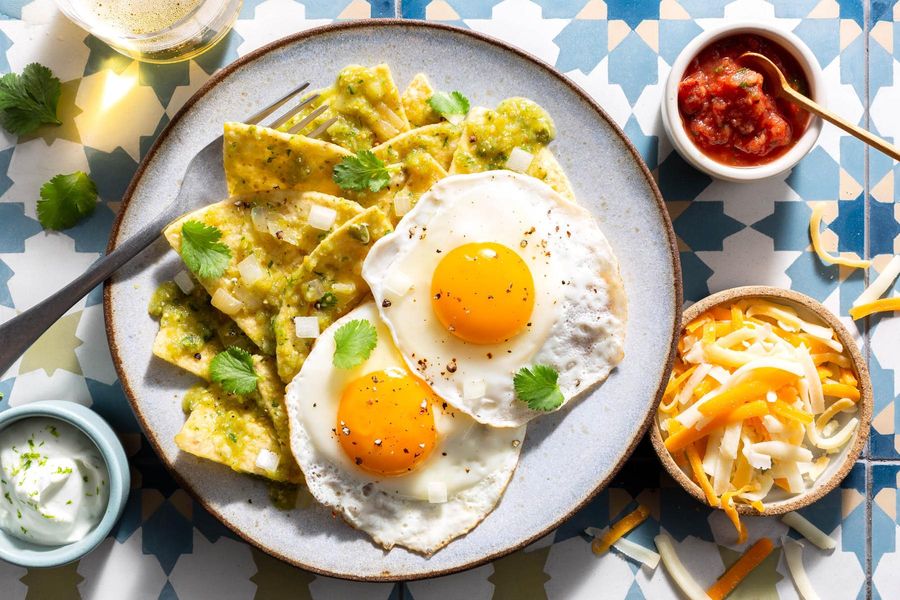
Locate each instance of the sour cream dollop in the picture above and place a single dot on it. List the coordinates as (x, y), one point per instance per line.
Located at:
(54, 483)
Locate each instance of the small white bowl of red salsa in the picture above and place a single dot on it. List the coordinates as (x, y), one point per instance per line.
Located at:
(724, 119)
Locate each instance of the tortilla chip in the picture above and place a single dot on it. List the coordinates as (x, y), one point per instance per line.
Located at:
(279, 249)
(191, 331)
(438, 140)
(367, 105)
(232, 430)
(259, 159)
(415, 102)
(335, 266)
(545, 167)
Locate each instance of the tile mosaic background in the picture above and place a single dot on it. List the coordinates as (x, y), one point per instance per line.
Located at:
(167, 547)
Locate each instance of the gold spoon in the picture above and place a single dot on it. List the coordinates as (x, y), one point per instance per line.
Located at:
(782, 89)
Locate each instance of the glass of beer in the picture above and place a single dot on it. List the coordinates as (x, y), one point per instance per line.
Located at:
(157, 31)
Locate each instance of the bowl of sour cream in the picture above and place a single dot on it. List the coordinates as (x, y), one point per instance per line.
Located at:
(64, 482)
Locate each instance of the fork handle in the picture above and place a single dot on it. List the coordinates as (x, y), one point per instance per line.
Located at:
(20, 332)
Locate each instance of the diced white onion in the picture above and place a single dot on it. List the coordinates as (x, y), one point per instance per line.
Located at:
(267, 460)
(403, 202)
(793, 556)
(259, 218)
(344, 289)
(225, 302)
(474, 389)
(184, 282)
(798, 523)
(250, 269)
(437, 492)
(637, 552)
(306, 327)
(321, 217)
(881, 284)
(455, 118)
(247, 298)
(676, 570)
(313, 290)
(397, 284)
(519, 160)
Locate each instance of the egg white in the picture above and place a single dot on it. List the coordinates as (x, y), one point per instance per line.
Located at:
(478, 464)
(578, 321)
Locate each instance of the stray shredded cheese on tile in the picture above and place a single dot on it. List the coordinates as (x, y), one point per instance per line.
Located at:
(815, 225)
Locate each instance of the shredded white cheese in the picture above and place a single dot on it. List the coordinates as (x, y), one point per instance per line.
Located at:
(881, 284)
(793, 556)
(797, 522)
(637, 552)
(675, 568)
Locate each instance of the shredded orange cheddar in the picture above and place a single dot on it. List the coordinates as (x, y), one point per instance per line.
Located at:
(700, 475)
(848, 378)
(727, 503)
(840, 390)
(780, 408)
(740, 569)
(881, 305)
(622, 526)
(765, 349)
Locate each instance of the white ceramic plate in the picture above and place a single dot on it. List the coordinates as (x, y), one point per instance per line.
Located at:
(568, 456)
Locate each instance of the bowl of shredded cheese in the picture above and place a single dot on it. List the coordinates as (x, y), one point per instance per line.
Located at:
(768, 405)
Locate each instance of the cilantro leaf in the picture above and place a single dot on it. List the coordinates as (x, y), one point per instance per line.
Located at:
(353, 343)
(29, 100)
(360, 172)
(233, 370)
(201, 250)
(446, 104)
(537, 387)
(66, 199)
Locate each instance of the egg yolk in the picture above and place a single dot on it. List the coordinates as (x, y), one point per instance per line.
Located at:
(483, 292)
(385, 424)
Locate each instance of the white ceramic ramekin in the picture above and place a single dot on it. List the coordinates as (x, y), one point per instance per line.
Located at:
(682, 141)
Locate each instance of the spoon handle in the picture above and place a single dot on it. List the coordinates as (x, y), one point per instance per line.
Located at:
(866, 136)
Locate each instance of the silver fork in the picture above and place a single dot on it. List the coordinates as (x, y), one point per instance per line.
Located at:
(203, 183)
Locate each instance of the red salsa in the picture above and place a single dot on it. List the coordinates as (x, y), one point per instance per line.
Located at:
(726, 109)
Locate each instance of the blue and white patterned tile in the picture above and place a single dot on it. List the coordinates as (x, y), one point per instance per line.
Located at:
(884, 228)
(885, 531)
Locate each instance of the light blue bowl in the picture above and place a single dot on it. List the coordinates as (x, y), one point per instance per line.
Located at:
(26, 554)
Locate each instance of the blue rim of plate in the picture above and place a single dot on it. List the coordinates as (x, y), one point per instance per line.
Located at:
(248, 59)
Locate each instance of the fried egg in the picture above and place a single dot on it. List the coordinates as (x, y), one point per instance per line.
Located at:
(381, 449)
(493, 272)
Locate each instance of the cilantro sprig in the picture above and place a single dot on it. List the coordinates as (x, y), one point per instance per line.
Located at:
(353, 343)
(450, 104)
(365, 171)
(29, 100)
(537, 388)
(233, 370)
(66, 199)
(201, 250)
